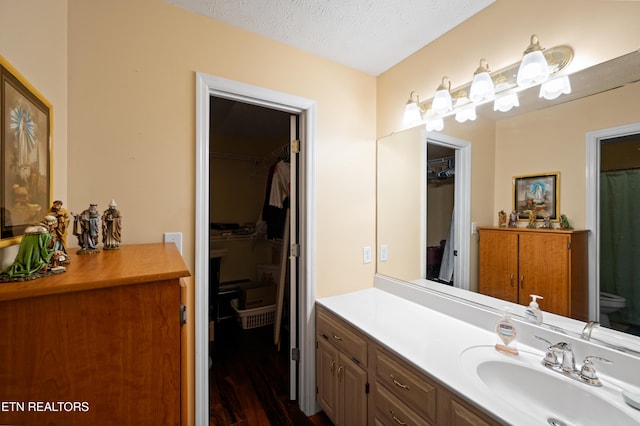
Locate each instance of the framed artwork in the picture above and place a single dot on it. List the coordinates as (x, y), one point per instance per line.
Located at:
(25, 155)
(537, 193)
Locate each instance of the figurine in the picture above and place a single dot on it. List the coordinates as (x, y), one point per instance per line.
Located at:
(502, 218)
(532, 218)
(546, 222)
(111, 227)
(513, 218)
(564, 222)
(86, 226)
(61, 229)
(36, 255)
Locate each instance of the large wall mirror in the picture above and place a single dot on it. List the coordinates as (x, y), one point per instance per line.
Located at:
(538, 137)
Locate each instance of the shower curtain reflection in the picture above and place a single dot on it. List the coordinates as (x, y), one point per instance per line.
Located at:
(620, 242)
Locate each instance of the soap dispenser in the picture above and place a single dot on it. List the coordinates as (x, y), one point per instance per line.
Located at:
(533, 313)
(506, 333)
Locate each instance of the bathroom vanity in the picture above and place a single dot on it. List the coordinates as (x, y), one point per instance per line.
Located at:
(404, 355)
(359, 379)
(99, 344)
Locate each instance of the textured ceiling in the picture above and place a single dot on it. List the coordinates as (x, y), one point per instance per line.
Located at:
(368, 35)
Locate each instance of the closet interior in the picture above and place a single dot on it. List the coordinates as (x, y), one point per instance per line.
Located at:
(249, 154)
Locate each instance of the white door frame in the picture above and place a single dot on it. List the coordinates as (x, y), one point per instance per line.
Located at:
(462, 204)
(206, 86)
(593, 207)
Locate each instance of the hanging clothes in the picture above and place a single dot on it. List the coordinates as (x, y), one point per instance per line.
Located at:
(276, 200)
(281, 184)
(447, 265)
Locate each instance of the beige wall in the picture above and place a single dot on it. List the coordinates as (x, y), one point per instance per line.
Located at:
(132, 124)
(33, 40)
(596, 30)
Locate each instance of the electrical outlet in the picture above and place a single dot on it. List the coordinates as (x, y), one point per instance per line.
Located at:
(174, 237)
(384, 253)
(366, 254)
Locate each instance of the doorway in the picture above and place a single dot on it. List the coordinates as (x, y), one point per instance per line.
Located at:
(601, 148)
(207, 86)
(457, 248)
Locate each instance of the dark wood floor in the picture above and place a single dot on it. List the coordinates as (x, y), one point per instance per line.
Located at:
(249, 380)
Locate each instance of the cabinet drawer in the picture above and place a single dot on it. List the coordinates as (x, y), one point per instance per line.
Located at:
(341, 335)
(391, 411)
(405, 383)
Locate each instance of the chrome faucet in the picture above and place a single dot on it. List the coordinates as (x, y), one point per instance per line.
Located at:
(568, 359)
(567, 367)
(588, 328)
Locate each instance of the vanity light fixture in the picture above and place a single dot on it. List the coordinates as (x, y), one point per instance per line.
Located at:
(465, 109)
(442, 99)
(412, 111)
(434, 121)
(507, 101)
(482, 86)
(502, 87)
(553, 88)
(534, 68)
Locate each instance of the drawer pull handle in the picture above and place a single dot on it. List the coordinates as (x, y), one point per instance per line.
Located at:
(397, 383)
(340, 369)
(337, 337)
(395, 419)
(333, 367)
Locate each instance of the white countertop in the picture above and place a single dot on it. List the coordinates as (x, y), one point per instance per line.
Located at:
(432, 341)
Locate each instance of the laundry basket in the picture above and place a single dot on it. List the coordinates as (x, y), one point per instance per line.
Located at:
(253, 318)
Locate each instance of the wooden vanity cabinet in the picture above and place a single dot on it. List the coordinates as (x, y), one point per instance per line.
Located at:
(517, 262)
(341, 370)
(401, 394)
(454, 411)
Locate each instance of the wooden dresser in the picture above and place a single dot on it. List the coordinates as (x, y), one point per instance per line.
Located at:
(552, 263)
(101, 344)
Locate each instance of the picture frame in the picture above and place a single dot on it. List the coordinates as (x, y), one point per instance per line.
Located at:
(25, 155)
(539, 193)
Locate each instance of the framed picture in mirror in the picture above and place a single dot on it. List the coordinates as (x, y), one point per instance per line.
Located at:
(25, 153)
(539, 194)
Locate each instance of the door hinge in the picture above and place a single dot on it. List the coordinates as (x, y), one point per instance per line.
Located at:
(295, 250)
(295, 146)
(366, 388)
(183, 315)
(569, 245)
(295, 354)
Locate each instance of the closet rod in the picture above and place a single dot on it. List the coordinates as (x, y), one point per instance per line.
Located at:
(283, 150)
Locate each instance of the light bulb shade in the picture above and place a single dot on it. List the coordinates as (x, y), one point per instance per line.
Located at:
(466, 113)
(442, 102)
(553, 88)
(533, 69)
(412, 114)
(435, 124)
(506, 102)
(482, 87)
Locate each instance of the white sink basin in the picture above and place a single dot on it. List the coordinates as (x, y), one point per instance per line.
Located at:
(541, 395)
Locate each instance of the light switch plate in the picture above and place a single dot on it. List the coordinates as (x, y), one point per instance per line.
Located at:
(384, 253)
(366, 254)
(174, 237)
